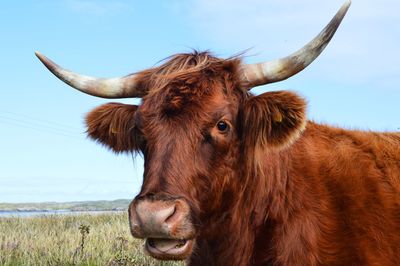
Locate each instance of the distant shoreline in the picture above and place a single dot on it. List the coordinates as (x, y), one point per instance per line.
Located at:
(63, 210)
(78, 206)
(58, 213)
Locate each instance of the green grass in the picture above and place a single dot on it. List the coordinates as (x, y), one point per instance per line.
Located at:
(71, 240)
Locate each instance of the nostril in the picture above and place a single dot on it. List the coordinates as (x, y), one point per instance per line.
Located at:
(157, 219)
(171, 215)
(166, 214)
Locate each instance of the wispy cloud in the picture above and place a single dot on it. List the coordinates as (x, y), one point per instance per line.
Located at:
(97, 8)
(366, 45)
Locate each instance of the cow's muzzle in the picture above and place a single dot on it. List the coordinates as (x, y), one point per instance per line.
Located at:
(166, 226)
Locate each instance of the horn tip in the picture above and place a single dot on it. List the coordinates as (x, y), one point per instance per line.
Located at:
(38, 54)
(47, 62)
(347, 4)
(41, 57)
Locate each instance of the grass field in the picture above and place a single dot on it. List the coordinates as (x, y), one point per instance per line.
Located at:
(71, 240)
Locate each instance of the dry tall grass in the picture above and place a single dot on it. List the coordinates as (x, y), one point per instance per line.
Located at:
(57, 240)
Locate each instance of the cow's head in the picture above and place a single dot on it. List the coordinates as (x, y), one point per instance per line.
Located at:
(199, 131)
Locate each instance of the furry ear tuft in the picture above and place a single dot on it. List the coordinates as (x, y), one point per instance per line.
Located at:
(113, 125)
(274, 119)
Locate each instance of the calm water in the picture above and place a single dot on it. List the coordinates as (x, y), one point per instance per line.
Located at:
(10, 214)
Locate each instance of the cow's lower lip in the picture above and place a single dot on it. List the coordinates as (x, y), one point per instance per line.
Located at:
(169, 249)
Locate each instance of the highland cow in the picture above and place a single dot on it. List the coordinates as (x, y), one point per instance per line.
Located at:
(236, 179)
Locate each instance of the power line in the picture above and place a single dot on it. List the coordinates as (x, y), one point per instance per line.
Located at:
(43, 130)
(33, 123)
(37, 124)
(40, 120)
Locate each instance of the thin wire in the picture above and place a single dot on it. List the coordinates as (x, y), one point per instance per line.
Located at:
(40, 129)
(62, 130)
(39, 120)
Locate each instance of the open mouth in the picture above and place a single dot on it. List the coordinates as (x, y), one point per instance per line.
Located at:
(169, 249)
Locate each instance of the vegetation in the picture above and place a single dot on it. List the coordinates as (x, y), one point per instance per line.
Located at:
(85, 239)
(101, 205)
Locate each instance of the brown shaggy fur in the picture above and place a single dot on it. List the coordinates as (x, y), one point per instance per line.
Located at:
(113, 125)
(273, 189)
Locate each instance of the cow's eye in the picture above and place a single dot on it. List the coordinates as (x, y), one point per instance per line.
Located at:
(222, 126)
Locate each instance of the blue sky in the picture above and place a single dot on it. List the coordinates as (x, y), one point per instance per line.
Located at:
(44, 153)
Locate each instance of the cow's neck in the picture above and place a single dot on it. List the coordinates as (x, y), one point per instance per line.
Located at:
(270, 200)
(253, 219)
(277, 195)
(288, 213)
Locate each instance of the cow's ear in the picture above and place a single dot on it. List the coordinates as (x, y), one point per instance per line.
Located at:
(113, 125)
(274, 119)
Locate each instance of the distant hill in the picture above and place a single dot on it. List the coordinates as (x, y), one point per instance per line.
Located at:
(99, 205)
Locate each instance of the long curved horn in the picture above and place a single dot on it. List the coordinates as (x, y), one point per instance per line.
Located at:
(124, 87)
(281, 69)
